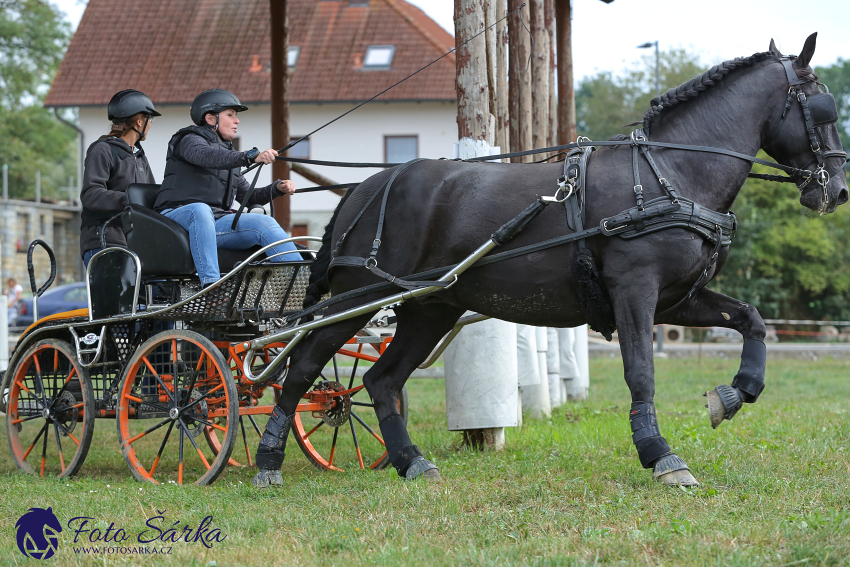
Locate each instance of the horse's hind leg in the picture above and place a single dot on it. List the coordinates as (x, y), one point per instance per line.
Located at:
(711, 309)
(419, 329)
(634, 323)
(308, 359)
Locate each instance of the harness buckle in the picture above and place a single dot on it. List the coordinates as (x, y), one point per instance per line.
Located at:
(373, 260)
(638, 189)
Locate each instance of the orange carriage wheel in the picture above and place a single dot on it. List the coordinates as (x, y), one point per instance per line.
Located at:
(176, 385)
(50, 419)
(336, 426)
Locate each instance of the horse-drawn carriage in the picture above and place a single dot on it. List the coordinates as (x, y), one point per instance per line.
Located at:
(159, 354)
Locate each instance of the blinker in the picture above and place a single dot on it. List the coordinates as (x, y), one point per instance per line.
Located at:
(822, 107)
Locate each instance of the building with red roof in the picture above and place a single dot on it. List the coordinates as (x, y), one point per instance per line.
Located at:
(342, 52)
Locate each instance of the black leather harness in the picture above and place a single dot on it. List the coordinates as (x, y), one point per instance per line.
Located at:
(668, 211)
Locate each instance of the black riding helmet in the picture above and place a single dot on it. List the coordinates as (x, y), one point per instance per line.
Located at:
(128, 102)
(214, 101)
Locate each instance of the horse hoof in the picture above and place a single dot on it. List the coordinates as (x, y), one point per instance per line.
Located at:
(723, 402)
(424, 468)
(673, 471)
(266, 478)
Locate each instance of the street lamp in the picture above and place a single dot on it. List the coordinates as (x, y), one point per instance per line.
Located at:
(657, 81)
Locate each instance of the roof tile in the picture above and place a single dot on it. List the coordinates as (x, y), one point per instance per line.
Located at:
(185, 47)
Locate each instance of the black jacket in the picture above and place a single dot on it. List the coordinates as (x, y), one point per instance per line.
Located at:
(110, 167)
(185, 182)
(209, 173)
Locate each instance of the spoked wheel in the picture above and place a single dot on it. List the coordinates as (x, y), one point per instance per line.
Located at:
(50, 419)
(256, 403)
(336, 428)
(176, 385)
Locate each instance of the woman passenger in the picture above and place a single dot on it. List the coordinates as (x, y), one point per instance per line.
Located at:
(114, 161)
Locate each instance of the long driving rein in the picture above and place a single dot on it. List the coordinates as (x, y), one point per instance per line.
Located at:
(669, 211)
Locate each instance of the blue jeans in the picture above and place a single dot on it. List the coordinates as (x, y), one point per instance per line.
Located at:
(206, 234)
(88, 254)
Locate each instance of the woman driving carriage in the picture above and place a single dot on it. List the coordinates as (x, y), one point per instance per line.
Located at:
(114, 161)
(203, 179)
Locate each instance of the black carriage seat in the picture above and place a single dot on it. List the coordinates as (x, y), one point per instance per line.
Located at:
(161, 244)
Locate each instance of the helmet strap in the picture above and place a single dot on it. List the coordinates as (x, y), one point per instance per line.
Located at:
(145, 127)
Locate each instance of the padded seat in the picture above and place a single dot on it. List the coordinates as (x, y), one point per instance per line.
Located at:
(161, 244)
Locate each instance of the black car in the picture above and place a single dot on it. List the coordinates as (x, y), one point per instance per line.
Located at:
(56, 300)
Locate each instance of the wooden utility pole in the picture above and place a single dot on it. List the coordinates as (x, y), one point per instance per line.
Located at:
(566, 94)
(553, 65)
(280, 100)
(519, 81)
(540, 72)
(503, 118)
(473, 92)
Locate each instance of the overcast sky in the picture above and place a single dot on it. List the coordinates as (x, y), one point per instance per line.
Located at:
(605, 36)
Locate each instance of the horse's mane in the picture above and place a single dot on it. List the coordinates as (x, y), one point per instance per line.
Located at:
(691, 89)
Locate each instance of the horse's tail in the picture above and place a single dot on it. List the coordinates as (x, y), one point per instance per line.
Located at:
(319, 283)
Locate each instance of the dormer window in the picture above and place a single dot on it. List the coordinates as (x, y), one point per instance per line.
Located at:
(292, 56)
(379, 57)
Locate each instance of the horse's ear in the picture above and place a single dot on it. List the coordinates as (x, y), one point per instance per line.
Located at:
(808, 51)
(773, 49)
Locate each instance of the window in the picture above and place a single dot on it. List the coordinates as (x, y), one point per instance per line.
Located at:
(292, 56)
(379, 57)
(76, 295)
(301, 149)
(400, 149)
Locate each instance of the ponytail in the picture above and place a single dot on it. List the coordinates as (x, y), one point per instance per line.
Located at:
(121, 127)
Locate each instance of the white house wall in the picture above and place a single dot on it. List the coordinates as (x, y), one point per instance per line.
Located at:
(358, 137)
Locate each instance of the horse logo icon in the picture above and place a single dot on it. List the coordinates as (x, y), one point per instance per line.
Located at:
(38, 533)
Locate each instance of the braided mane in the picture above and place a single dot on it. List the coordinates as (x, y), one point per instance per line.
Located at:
(691, 89)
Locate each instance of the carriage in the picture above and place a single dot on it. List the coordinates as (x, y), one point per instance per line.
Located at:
(165, 359)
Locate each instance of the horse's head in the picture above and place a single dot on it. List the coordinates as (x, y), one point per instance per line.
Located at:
(803, 133)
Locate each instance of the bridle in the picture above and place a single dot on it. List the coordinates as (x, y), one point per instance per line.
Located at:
(818, 110)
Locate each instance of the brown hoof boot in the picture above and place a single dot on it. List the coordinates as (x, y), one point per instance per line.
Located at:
(673, 471)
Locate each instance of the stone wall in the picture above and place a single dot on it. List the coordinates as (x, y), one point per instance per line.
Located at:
(21, 222)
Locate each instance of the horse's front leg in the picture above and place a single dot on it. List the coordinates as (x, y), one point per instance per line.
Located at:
(634, 308)
(711, 309)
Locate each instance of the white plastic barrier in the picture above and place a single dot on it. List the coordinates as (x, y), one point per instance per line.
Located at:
(557, 394)
(481, 378)
(575, 371)
(4, 334)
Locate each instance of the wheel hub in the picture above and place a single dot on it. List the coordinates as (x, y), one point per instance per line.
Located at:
(65, 413)
(45, 413)
(341, 409)
(199, 411)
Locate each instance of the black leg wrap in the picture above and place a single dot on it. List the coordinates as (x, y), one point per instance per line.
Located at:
(750, 377)
(646, 436)
(270, 452)
(400, 449)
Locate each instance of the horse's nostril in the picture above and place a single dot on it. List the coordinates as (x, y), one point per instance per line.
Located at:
(843, 196)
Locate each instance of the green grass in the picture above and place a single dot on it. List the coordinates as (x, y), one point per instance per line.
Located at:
(570, 491)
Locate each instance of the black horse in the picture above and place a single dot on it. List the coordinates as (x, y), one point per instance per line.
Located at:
(440, 211)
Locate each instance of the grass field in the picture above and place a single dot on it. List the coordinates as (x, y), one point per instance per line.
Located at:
(570, 491)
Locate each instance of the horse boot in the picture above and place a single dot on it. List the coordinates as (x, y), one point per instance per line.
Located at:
(270, 452)
(404, 455)
(653, 451)
(723, 402)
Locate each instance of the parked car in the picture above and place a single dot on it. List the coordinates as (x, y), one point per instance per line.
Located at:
(56, 300)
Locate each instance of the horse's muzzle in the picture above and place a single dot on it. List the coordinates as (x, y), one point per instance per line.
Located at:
(826, 200)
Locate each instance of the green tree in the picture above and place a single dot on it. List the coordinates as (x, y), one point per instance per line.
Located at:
(786, 260)
(33, 39)
(837, 78)
(607, 103)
